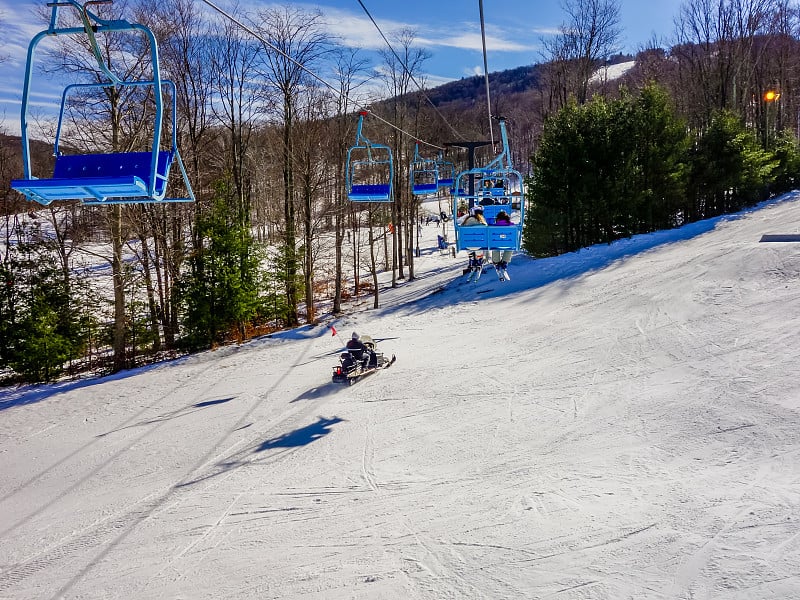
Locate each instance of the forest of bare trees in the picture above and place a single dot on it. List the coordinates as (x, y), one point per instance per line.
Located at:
(271, 233)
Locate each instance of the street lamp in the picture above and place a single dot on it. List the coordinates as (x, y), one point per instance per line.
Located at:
(770, 97)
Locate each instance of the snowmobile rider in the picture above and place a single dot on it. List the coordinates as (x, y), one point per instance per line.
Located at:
(361, 352)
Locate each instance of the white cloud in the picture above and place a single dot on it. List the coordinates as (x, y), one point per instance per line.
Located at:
(357, 30)
(432, 81)
(472, 41)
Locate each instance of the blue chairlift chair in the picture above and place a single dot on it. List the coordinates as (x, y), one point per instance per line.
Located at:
(506, 193)
(445, 172)
(102, 178)
(369, 169)
(424, 175)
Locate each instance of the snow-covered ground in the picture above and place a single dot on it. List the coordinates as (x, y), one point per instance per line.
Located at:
(612, 72)
(622, 422)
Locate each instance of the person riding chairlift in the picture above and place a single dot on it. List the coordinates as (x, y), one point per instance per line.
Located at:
(502, 218)
(502, 258)
(475, 217)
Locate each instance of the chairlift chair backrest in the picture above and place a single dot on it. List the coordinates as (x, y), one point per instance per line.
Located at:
(445, 172)
(423, 175)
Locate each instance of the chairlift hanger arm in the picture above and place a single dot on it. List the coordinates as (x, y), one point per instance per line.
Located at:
(502, 160)
(92, 25)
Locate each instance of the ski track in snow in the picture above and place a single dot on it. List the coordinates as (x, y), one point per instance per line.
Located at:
(622, 422)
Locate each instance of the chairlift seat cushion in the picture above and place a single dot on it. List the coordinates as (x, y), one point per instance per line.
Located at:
(370, 193)
(446, 182)
(424, 189)
(97, 177)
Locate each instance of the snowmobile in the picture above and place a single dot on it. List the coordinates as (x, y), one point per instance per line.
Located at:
(355, 364)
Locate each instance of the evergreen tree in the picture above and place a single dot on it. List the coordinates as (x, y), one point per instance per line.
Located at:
(552, 221)
(219, 293)
(787, 153)
(43, 347)
(662, 146)
(43, 326)
(8, 310)
(730, 169)
(606, 170)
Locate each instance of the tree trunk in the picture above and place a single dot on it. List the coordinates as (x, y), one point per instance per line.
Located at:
(373, 266)
(289, 216)
(151, 295)
(119, 288)
(309, 254)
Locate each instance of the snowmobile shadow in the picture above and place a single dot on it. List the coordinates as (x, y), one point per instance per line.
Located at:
(319, 391)
(298, 438)
(301, 436)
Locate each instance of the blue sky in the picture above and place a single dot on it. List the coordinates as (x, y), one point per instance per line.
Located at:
(449, 29)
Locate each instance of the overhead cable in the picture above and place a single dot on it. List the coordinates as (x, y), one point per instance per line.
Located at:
(408, 71)
(267, 43)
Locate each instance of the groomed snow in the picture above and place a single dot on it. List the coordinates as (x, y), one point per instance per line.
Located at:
(618, 423)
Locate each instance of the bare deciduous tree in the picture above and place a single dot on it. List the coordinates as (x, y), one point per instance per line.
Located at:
(350, 66)
(236, 103)
(728, 53)
(591, 33)
(400, 68)
(296, 38)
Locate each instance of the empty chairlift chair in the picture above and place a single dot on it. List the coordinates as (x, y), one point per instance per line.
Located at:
(370, 169)
(445, 172)
(424, 175)
(103, 178)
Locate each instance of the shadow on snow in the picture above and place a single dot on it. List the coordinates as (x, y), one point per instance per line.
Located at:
(528, 274)
(301, 436)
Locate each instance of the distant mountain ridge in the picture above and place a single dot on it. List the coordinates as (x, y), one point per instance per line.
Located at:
(510, 81)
